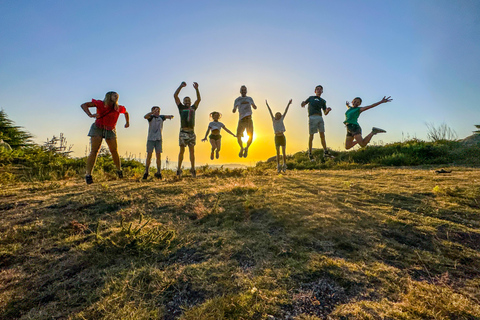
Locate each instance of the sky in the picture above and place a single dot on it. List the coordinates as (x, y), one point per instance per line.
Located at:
(56, 55)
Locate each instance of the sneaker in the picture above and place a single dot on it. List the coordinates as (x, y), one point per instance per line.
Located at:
(376, 130)
(145, 176)
(158, 175)
(88, 179)
(240, 154)
(193, 172)
(310, 156)
(279, 168)
(284, 168)
(120, 174)
(179, 173)
(327, 154)
(245, 153)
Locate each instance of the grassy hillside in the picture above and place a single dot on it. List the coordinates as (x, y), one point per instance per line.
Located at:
(244, 244)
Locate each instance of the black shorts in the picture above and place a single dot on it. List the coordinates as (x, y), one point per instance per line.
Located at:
(353, 130)
(215, 136)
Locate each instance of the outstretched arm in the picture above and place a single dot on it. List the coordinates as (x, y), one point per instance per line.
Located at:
(195, 85)
(286, 109)
(206, 134)
(127, 120)
(269, 110)
(225, 128)
(175, 95)
(304, 103)
(85, 107)
(169, 117)
(384, 100)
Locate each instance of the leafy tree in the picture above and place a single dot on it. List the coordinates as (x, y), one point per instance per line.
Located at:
(14, 135)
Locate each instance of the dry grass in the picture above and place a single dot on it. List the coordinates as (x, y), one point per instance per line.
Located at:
(340, 244)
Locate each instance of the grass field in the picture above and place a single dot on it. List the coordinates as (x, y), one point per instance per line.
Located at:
(381, 243)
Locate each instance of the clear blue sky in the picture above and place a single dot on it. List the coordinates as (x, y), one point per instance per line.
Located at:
(55, 55)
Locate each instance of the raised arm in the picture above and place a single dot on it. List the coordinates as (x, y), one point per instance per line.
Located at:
(195, 85)
(286, 109)
(127, 120)
(269, 110)
(85, 107)
(175, 95)
(148, 115)
(384, 100)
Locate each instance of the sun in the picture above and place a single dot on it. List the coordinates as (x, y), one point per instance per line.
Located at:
(245, 137)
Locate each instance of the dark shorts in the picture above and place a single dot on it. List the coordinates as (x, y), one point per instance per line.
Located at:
(154, 145)
(280, 141)
(215, 136)
(104, 133)
(353, 129)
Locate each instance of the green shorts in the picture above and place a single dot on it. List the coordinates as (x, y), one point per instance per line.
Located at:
(280, 141)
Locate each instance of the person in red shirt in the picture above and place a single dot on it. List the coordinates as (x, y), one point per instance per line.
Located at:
(106, 118)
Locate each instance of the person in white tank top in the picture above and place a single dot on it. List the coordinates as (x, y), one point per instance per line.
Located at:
(215, 138)
(280, 140)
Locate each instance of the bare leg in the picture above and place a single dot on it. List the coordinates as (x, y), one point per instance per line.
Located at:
(191, 150)
(324, 143)
(219, 144)
(180, 157)
(284, 155)
(310, 142)
(112, 145)
(349, 142)
(278, 157)
(149, 160)
(214, 146)
(96, 142)
(363, 142)
(159, 162)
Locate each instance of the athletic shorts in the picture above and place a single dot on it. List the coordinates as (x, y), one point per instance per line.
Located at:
(353, 129)
(245, 123)
(315, 124)
(187, 138)
(154, 144)
(104, 133)
(280, 141)
(215, 136)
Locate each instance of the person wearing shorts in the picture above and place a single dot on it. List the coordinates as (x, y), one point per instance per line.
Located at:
(354, 132)
(316, 104)
(187, 136)
(280, 140)
(244, 105)
(215, 138)
(154, 139)
(106, 116)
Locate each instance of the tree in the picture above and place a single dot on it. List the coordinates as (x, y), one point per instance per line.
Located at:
(14, 135)
(478, 127)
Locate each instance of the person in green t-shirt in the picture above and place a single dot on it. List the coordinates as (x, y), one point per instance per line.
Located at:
(354, 132)
(187, 125)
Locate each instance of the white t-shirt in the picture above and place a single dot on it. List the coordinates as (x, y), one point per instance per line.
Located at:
(244, 105)
(278, 125)
(155, 126)
(216, 125)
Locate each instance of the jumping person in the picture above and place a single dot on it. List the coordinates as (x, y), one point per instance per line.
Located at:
(280, 140)
(154, 139)
(106, 118)
(354, 132)
(244, 105)
(315, 120)
(215, 137)
(187, 125)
